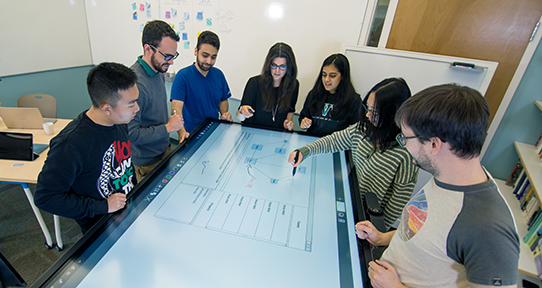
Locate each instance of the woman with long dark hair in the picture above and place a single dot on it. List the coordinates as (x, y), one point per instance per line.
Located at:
(269, 98)
(382, 165)
(333, 103)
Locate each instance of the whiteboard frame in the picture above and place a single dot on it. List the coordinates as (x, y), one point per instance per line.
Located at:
(489, 66)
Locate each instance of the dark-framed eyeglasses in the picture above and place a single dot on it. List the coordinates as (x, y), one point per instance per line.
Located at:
(281, 67)
(402, 139)
(371, 111)
(167, 57)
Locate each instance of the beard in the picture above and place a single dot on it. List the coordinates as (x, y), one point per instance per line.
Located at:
(202, 67)
(160, 67)
(424, 163)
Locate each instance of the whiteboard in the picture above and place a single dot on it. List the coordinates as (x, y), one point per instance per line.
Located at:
(370, 65)
(314, 29)
(42, 35)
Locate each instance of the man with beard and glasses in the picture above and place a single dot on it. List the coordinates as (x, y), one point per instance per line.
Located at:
(458, 231)
(200, 90)
(149, 130)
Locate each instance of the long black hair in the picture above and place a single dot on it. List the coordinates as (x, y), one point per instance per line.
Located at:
(390, 93)
(287, 83)
(345, 93)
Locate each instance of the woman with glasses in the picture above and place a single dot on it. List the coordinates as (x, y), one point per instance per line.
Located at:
(382, 165)
(269, 98)
(333, 103)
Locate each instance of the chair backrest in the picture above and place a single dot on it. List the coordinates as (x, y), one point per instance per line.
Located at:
(46, 104)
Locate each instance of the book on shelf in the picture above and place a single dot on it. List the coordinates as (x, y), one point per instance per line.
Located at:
(516, 172)
(525, 187)
(534, 221)
(534, 217)
(534, 238)
(519, 183)
(538, 262)
(531, 209)
(535, 244)
(538, 142)
(532, 229)
(526, 198)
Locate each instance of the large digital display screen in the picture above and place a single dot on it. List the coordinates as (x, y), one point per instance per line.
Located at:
(225, 210)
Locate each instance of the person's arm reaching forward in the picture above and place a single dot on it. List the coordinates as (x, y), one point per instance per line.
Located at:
(177, 108)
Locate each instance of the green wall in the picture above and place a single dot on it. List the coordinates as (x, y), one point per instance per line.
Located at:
(522, 121)
(68, 86)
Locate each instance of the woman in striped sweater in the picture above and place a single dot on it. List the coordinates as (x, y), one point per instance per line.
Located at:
(382, 166)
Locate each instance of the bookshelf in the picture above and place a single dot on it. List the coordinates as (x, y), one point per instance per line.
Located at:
(532, 167)
(526, 261)
(531, 164)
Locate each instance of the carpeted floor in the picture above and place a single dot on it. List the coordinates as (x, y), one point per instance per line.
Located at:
(21, 239)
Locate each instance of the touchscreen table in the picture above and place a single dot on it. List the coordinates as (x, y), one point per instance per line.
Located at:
(225, 210)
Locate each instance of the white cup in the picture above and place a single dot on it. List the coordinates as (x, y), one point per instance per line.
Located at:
(48, 127)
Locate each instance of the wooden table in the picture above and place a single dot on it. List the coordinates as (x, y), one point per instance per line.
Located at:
(26, 172)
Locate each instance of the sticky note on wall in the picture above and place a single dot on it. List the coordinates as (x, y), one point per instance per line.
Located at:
(141, 7)
(185, 36)
(209, 21)
(199, 16)
(186, 15)
(186, 45)
(181, 25)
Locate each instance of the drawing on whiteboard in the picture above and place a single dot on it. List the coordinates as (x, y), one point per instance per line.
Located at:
(225, 18)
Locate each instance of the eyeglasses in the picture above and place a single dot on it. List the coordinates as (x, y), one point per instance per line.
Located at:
(402, 139)
(281, 67)
(371, 111)
(167, 57)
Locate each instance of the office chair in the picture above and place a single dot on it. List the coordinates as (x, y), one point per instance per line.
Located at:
(45, 103)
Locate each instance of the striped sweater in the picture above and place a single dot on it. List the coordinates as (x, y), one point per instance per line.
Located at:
(390, 175)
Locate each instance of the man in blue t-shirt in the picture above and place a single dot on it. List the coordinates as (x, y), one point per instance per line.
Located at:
(200, 91)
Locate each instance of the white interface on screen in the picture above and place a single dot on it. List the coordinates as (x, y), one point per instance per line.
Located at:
(232, 215)
(242, 183)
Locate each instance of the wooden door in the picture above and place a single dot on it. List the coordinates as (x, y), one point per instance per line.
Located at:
(493, 30)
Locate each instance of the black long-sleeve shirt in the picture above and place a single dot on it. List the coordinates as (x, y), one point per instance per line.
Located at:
(86, 163)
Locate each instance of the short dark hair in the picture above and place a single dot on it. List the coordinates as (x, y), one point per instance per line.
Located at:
(208, 37)
(106, 80)
(458, 115)
(154, 31)
(287, 83)
(390, 94)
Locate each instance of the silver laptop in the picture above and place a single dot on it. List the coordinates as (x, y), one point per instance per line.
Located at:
(22, 117)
